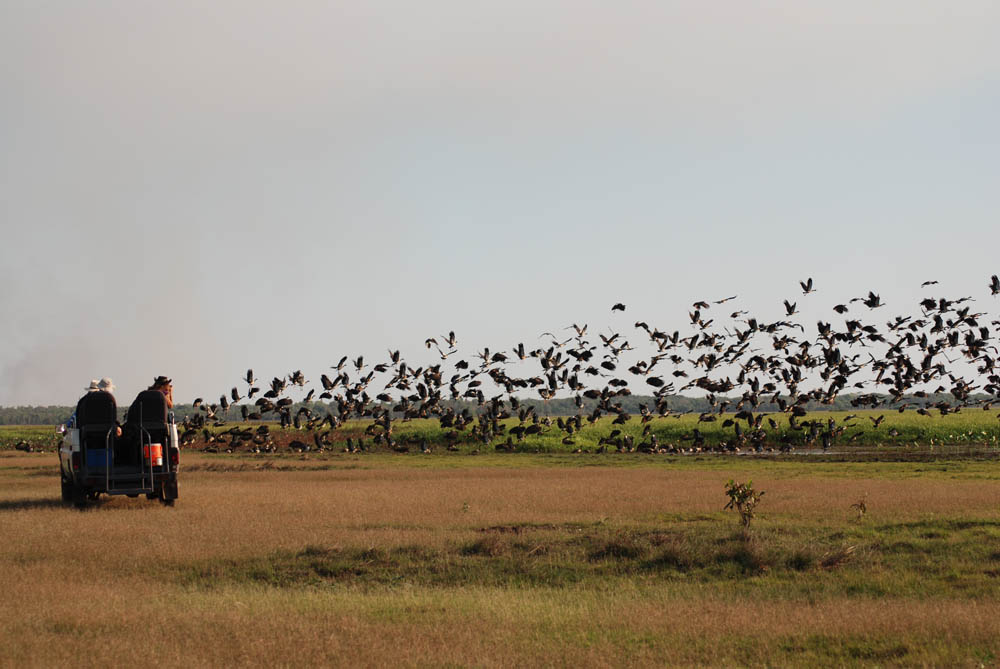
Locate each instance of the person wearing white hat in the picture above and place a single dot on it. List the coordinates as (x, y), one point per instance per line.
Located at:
(106, 385)
(95, 386)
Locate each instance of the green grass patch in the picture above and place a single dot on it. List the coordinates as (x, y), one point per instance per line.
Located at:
(910, 436)
(38, 437)
(970, 430)
(780, 558)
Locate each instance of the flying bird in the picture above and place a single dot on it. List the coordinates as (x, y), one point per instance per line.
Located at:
(941, 333)
(873, 301)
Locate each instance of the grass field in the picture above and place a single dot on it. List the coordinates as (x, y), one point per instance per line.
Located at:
(496, 560)
(971, 429)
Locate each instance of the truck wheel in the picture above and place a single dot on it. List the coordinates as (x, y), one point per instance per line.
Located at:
(79, 497)
(168, 493)
(67, 491)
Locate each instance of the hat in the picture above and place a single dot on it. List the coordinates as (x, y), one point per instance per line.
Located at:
(106, 384)
(94, 385)
(162, 381)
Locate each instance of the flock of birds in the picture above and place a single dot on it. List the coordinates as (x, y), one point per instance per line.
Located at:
(739, 366)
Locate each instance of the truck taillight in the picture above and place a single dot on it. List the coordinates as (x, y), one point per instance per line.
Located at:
(175, 456)
(76, 461)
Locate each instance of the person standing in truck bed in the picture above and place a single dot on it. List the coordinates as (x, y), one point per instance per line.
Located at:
(165, 386)
(106, 385)
(161, 384)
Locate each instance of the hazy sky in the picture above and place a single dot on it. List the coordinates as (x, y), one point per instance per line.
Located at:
(193, 188)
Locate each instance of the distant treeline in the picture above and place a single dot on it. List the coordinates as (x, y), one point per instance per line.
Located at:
(677, 404)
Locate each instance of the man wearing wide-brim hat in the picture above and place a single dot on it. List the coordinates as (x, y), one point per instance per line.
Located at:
(165, 386)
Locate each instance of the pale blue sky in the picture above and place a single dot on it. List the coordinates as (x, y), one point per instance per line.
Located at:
(191, 191)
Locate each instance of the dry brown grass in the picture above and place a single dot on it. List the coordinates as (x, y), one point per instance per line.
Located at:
(90, 588)
(479, 627)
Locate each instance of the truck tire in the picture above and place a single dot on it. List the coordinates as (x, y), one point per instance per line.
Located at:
(67, 491)
(169, 491)
(79, 497)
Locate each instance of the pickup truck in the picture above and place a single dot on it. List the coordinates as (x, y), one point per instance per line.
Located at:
(97, 458)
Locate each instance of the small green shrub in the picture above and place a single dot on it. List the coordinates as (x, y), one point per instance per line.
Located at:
(743, 499)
